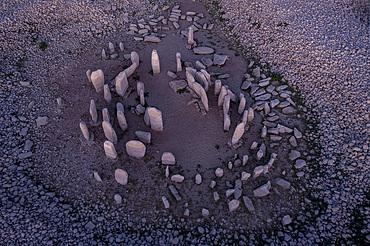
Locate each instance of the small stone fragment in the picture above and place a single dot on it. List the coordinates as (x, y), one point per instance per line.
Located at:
(233, 205)
(283, 183)
(205, 212)
(165, 202)
(219, 172)
(118, 199)
(245, 176)
(177, 178)
(97, 176)
(287, 220)
(216, 196)
(198, 179)
(84, 130)
(294, 154)
(219, 59)
(299, 163)
(263, 190)
(109, 132)
(213, 184)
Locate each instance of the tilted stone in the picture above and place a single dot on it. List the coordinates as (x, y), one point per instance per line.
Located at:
(221, 96)
(155, 62)
(131, 69)
(135, 59)
(122, 120)
(238, 133)
(121, 83)
(106, 115)
(97, 79)
(263, 190)
(227, 122)
(232, 95)
(144, 136)
(88, 74)
(257, 171)
(226, 105)
(109, 132)
(203, 96)
(109, 149)
(155, 119)
(229, 192)
(168, 158)
(93, 112)
(242, 103)
(107, 94)
(219, 172)
(84, 130)
(218, 86)
(201, 78)
(120, 107)
(135, 149)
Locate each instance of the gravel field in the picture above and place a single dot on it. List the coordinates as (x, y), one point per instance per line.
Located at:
(320, 47)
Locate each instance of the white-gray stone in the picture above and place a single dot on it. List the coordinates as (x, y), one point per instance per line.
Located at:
(104, 55)
(135, 149)
(218, 86)
(168, 158)
(219, 172)
(152, 39)
(93, 112)
(238, 133)
(106, 115)
(109, 150)
(121, 83)
(84, 130)
(107, 94)
(242, 103)
(109, 132)
(227, 122)
(177, 178)
(144, 137)
(219, 59)
(111, 47)
(165, 202)
(245, 159)
(233, 205)
(178, 62)
(118, 198)
(263, 190)
(294, 154)
(250, 115)
(203, 95)
(221, 96)
(245, 176)
(216, 196)
(198, 179)
(97, 176)
(229, 192)
(213, 184)
(264, 132)
(140, 91)
(154, 116)
(205, 212)
(121, 46)
(97, 79)
(122, 120)
(155, 62)
(248, 203)
(299, 163)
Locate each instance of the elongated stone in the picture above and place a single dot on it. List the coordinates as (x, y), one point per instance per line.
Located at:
(135, 58)
(93, 112)
(121, 46)
(109, 149)
(221, 96)
(121, 83)
(203, 96)
(154, 117)
(227, 122)
(106, 115)
(131, 69)
(191, 36)
(107, 94)
(97, 176)
(248, 203)
(88, 74)
(84, 130)
(135, 149)
(109, 132)
(264, 132)
(165, 202)
(177, 178)
(122, 120)
(120, 107)
(226, 105)
(155, 62)
(203, 50)
(218, 86)
(111, 47)
(242, 103)
(140, 91)
(201, 78)
(178, 62)
(266, 108)
(97, 79)
(250, 115)
(238, 133)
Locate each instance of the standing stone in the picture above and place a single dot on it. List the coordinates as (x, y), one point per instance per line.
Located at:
(135, 149)
(97, 177)
(84, 130)
(111, 47)
(264, 132)
(109, 149)
(191, 36)
(104, 55)
(202, 78)
(88, 74)
(120, 107)
(93, 112)
(155, 119)
(245, 159)
(245, 117)
(250, 115)
(109, 132)
(218, 86)
(242, 103)
(144, 136)
(121, 176)
(238, 133)
(97, 79)
(198, 179)
(227, 122)
(135, 58)
(121, 83)
(233, 205)
(178, 62)
(219, 172)
(105, 114)
(226, 105)
(118, 199)
(122, 120)
(222, 95)
(168, 158)
(165, 202)
(107, 94)
(140, 91)
(155, 62)
(121, 46)
(203, 96)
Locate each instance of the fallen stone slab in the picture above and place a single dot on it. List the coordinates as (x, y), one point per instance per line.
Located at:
(178, 85)
(203, 50)
(283, 183)
(263, 190)
(219, 59)
(152, 39)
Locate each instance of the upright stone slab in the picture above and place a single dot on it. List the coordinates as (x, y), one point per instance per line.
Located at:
(190, 79)
(178, 62)
(122, 120)
(140, 92)
(221, 96)
(191, 36)
(201, 78)
(218, 86)
(227, 122)
(84, 130)
(250, 115)
(97, 79)
(242, 103)
(135, 58)
(155, 62)
(93, 112)
(135, 149)
(106, 115)
(88, 74)
(238, 133)
(109, 149)
(121, 176)
(155, 119)
(120, 107)
(109, 132)
(203, 96)
(107, 94)
(226, 105)
(144, 136)
(121, 83)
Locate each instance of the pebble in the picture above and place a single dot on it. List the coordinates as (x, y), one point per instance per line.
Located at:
(42, 121)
